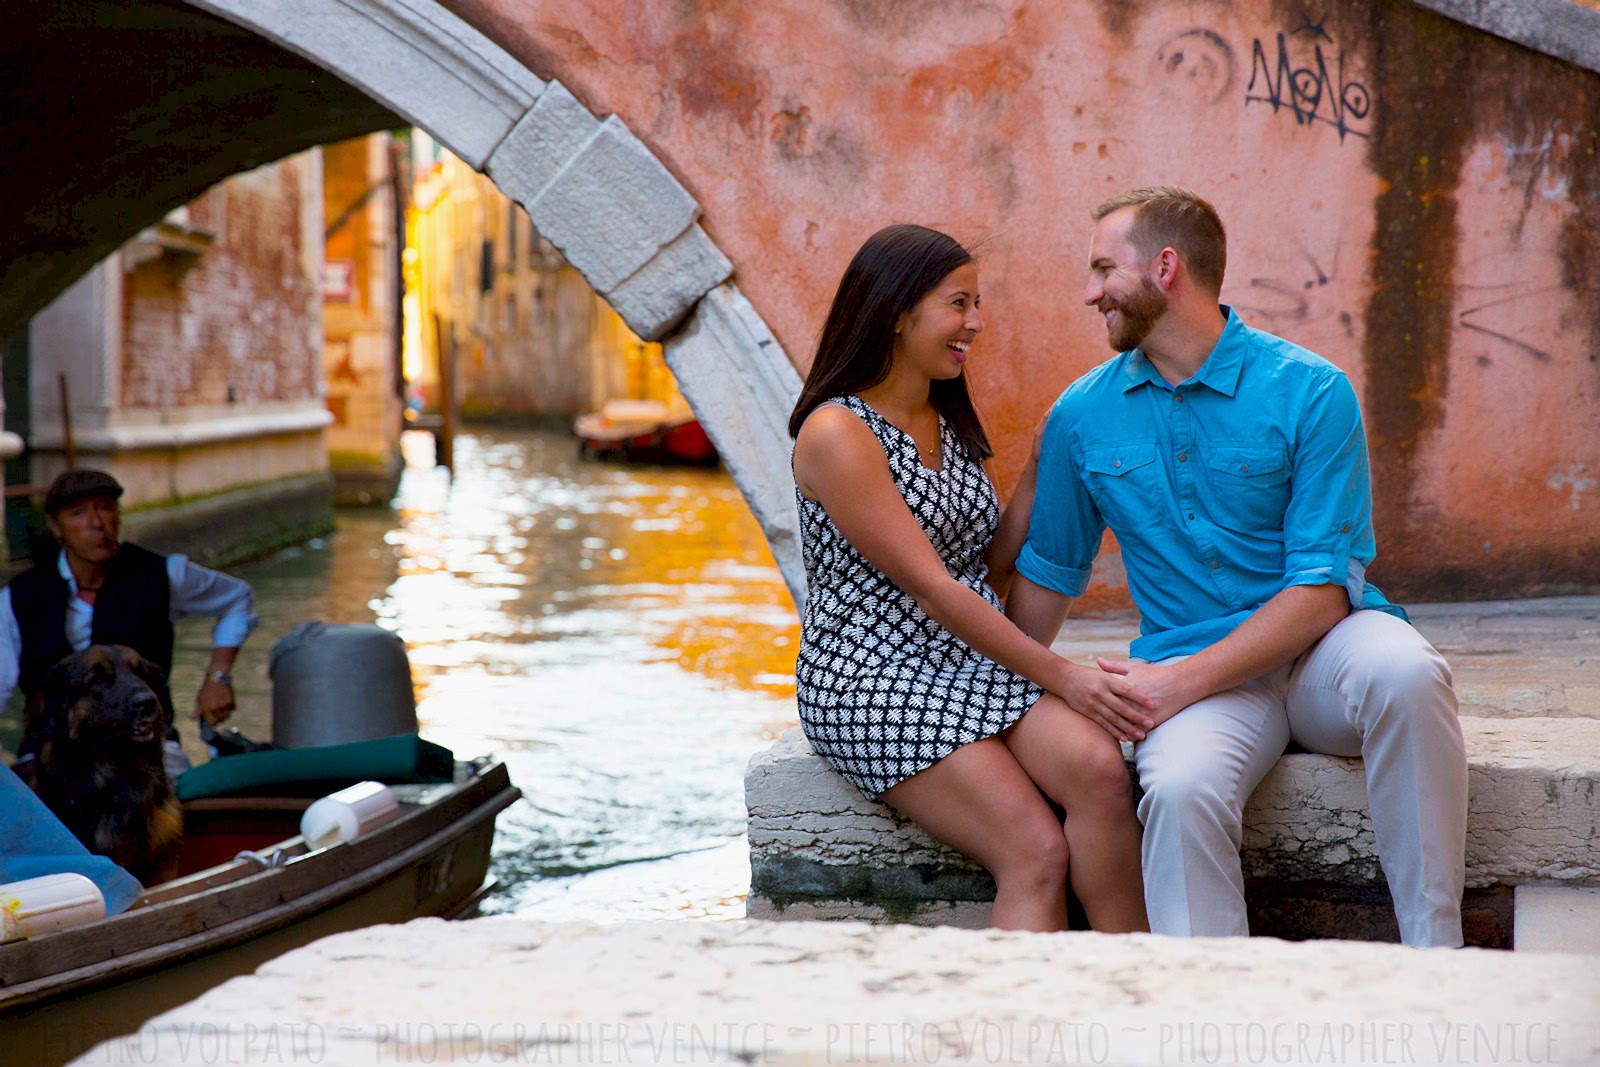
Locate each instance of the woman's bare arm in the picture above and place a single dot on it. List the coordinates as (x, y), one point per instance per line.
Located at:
(839, 463)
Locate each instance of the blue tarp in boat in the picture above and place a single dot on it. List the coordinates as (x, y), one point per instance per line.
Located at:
(34, 843)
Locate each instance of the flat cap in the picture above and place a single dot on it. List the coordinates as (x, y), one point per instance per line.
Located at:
(73, 485)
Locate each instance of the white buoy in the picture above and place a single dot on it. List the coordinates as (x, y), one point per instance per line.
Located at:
(36, 906)
(349, 813)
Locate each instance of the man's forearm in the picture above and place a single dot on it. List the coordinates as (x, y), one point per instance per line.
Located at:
(1280, 630)
(221, 659)
(1037, 611)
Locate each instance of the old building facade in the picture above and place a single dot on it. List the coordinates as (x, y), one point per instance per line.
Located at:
(365, 189)
(529, 336)
(189, 364)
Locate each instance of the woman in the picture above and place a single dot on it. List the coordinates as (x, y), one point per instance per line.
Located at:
(912, 682)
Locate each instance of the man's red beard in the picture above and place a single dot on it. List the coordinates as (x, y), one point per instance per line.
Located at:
(1136, 315)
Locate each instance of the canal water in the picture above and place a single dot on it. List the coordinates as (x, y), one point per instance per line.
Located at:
(620, 636)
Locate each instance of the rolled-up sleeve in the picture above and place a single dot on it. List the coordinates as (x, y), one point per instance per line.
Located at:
(199, 591)
(1327, 528)
(1065, 527)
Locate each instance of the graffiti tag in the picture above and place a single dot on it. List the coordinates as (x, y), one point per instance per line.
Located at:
(1311, 92)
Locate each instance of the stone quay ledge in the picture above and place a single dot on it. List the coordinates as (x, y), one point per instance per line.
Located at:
(816, 844)
(506, 990)
(1527, 673)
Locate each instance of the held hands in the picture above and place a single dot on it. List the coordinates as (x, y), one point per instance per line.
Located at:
(214, 703)
(1166, 689)
(1109, 700)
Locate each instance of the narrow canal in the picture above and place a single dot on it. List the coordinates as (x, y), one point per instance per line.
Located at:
(619, 635)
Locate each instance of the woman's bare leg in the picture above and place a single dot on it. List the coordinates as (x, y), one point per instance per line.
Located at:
(1080, 767)
(979, 801)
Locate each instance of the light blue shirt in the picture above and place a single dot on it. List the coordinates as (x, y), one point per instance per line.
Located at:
(194, 590)
(1246, 479)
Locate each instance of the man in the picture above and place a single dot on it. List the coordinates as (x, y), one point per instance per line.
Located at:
(104, 591)
(1232, 467)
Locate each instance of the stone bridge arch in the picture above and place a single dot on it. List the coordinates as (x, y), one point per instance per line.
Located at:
(596, 192)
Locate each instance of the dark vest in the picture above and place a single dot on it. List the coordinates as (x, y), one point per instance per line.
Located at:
(132, 608)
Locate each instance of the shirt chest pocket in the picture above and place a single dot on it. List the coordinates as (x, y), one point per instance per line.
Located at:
(1250, 486)
(1125, 482)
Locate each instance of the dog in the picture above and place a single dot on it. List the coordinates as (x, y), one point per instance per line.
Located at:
(96, 728)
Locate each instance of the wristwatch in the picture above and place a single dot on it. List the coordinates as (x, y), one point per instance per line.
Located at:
(221, 678)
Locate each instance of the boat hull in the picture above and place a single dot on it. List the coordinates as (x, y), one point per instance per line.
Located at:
(664, 443)
(433, 862)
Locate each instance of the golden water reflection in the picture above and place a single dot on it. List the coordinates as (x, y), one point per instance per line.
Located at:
(620, 635)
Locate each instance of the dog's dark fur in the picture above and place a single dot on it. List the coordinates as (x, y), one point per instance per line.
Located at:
(96, 726)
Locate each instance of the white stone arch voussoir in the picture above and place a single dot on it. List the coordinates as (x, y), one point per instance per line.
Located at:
(597, 193)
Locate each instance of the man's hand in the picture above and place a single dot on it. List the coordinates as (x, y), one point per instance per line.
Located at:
(1168, 690)
(1112, 702)
(214, 703)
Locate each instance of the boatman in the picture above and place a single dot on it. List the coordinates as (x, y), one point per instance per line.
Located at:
(1232, 466)
(105, 591)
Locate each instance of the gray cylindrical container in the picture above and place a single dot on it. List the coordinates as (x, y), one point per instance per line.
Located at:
(338, 683)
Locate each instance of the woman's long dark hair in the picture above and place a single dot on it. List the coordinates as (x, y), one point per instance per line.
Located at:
(893, 271)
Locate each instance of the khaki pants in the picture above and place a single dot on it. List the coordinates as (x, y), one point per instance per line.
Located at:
(1372, 687)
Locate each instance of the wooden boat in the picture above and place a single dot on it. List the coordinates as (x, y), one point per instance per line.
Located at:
(643, 431)
(228, 912)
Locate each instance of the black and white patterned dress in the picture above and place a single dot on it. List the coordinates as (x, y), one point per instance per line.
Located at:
(884, 691)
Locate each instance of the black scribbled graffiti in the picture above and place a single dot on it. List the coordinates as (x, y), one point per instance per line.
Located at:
(1202, 58)
(1519, 299)
(1315, 29)
(1311, 93)
(1284, 301)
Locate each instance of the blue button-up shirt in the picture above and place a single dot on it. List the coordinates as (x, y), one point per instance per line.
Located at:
(1246, 479)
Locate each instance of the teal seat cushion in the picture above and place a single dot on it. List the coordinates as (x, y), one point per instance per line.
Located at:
(319, 770)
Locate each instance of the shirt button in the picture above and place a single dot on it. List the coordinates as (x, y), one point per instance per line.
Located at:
(1118, 463)
(1183, 457)
(1244, 468)
(1190, 516)
(1215, 564)
(1178, 398)
(1345, 528)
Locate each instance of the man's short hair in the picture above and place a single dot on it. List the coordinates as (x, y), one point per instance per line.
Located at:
(76, 484)
(1169, 216)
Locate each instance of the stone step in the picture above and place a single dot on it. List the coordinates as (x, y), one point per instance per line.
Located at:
(1558, 919)
(819, 849)
(508, 990)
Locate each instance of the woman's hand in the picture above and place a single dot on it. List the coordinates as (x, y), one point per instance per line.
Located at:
(1111, 701)
(1167, 687)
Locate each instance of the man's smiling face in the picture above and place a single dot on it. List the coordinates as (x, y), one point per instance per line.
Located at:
(1120, 287)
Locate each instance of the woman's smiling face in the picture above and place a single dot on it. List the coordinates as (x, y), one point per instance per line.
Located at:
(937, 334)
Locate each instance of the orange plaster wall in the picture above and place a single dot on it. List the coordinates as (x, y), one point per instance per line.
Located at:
(1430, 220)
